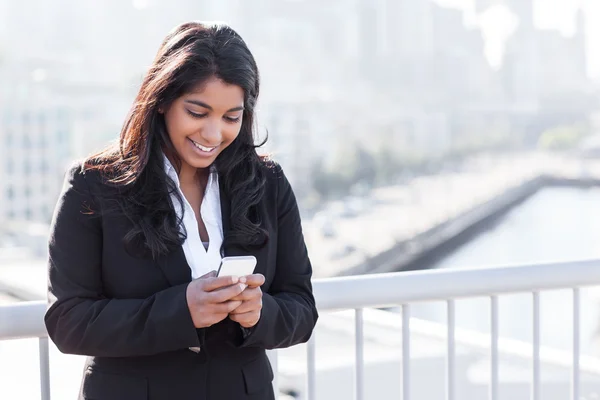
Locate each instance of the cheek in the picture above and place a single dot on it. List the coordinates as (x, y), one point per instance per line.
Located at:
(231, 132)
(179, 126)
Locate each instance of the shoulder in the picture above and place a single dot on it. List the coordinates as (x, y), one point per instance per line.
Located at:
(276, 179)
(79, 174)
(278, 187)
(88, 181)
(74, 200)
(74, 175)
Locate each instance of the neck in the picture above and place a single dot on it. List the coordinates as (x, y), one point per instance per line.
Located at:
(189, 175)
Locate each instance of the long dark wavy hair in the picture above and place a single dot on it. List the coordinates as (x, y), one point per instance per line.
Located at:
(191, 54)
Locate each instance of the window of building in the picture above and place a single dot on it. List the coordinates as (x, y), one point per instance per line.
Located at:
(26, 141)
(8, 139)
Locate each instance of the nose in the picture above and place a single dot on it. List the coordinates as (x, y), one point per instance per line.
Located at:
(212, 131)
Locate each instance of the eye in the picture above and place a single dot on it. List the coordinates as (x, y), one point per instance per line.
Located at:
(195, 115)
(233, 120)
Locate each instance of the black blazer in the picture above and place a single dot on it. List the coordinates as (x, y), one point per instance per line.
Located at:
(129, 313)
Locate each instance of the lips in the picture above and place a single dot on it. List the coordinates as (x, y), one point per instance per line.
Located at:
(205, 149)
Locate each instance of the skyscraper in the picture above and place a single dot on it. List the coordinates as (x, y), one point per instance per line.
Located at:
(482, 5)
(581, 41)
(521, 64)
(35, 145)
(523, 9)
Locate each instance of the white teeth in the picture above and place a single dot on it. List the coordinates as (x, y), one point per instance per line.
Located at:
(203, 148)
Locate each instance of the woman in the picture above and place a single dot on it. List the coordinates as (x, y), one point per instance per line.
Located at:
(140, 228)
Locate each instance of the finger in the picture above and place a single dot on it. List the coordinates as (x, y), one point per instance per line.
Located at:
(255, 280)
(248, 306)
(224, 294)
(211, 284)
(248, 294)
(243, 285)
(247, 320)
(225, 307)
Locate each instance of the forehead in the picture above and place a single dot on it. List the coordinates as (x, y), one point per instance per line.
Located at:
(217, 94)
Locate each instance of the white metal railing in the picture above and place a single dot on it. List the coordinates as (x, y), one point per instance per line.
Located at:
(25, 320)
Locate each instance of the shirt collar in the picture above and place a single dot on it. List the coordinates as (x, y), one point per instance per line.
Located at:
(172, 172)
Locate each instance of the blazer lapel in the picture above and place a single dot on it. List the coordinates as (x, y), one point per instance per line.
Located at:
(233, 250)
(175, 267)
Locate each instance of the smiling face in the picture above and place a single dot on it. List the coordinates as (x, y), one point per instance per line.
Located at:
(203, 122)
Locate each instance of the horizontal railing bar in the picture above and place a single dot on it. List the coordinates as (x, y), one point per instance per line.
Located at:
(22, 320)
(391, 289)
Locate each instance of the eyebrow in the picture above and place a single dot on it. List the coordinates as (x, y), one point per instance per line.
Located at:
(201, 104)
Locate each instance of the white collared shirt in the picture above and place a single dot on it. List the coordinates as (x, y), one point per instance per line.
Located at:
(200, 259)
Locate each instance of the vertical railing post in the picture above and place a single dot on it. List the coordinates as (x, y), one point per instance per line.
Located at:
(405, 352)
(494, 349)
(535, 388)
(312, 375)
(360, 362)
(272, 354)
(44, 368)
(451, 357)
(576, 344)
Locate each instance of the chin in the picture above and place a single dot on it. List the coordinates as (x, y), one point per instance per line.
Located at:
(201, 163)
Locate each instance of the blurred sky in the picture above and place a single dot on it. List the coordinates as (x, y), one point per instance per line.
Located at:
(549, 14)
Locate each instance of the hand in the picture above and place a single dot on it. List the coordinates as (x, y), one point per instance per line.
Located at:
(210, 299)
(248, 313)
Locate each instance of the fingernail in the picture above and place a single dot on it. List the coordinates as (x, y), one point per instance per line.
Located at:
(242, 286)
(234, 279)
(242, 279)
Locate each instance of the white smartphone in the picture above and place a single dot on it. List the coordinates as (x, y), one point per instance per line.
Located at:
(237, 266)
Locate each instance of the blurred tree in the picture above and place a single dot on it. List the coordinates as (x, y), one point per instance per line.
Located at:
(345, 160)
(366, 169)
(562, 137)
(320, 179)
(328, 184)
(350, 165)
(388, 165)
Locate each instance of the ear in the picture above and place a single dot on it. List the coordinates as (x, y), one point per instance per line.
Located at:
(161, 110)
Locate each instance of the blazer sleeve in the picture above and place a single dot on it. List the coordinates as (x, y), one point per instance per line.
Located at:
(289, 313)
(80, 318)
